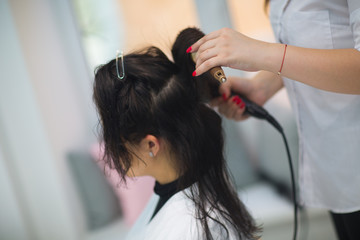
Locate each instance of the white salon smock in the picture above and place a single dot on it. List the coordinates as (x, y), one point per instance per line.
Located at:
(328, 123)
(176, 220)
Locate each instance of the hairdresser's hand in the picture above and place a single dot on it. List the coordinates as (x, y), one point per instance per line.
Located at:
(258, 89)
(229, 48)
(233, 107)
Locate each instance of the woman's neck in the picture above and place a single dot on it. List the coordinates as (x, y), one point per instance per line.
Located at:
(165, 172)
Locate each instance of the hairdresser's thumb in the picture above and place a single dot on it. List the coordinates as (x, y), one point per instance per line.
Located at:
(225, 90)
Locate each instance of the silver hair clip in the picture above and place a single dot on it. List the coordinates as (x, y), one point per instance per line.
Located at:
(120, 54)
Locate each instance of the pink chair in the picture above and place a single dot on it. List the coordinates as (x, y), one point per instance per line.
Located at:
(134, 195)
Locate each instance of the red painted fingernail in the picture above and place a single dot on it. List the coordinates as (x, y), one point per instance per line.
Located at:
(189, 49)
(236, 99)
(242, 105)
(224, 96)
(194, 73)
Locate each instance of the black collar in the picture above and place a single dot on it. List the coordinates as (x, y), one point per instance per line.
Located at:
(166, 190)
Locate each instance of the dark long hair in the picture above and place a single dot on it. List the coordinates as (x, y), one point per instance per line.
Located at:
(161, 98)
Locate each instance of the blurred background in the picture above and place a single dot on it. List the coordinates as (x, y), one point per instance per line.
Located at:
(51, 182)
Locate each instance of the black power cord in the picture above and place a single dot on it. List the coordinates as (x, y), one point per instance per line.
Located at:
(259, 112)
(292, 185)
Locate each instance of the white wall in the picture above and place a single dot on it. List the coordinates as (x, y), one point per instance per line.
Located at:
(45, 111)
(12, 225)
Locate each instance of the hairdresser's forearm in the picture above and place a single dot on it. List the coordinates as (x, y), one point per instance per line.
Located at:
(336, 70)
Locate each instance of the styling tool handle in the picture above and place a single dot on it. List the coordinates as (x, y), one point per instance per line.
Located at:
(252, 108)
(255, 110)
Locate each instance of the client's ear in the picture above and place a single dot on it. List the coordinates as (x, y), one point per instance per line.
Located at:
(151, 144)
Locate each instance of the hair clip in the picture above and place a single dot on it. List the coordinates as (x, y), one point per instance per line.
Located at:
(120, 54)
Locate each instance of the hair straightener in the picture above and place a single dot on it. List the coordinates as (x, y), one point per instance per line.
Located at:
(251, 108)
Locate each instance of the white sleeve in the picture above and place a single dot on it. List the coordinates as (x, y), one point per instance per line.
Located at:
(354, 10)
